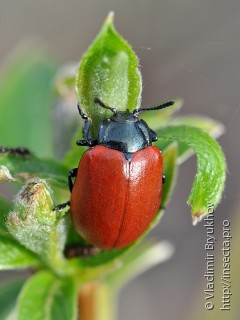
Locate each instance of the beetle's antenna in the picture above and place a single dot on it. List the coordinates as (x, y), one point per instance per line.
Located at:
(98, 101)
(161, 106)
(83, 115)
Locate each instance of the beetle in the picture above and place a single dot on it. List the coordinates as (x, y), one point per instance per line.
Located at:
(118, 182)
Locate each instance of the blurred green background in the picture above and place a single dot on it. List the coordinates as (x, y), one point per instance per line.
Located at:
(187, 49)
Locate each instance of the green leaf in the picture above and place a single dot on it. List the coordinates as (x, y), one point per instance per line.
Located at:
(8, 296)
(211, 167)
(170, 171)
(26, 98)
(108, 71)
(15, 256)
(36, 226)
(21, 167)
(5, 207)
(45, 297)
(208, 125)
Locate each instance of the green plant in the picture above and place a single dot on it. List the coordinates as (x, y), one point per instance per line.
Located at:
(34, 236)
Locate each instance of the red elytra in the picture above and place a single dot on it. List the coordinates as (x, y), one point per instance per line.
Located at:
(114, 200)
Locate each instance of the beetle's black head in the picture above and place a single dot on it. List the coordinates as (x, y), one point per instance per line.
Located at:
(124, 116)
(124, 131)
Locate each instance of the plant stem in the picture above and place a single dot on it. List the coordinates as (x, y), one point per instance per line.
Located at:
(96, 301)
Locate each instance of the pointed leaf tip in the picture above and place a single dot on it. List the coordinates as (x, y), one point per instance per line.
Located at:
(110, 18)
(197, 217)
(108, 71)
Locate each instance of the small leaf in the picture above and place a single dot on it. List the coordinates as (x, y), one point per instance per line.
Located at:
(15, 256)
(211, 167)
(26, 98)
(108, 71)
(35, 225)
(8, 295)
(45, 297)
(214, 128)
(21, 167)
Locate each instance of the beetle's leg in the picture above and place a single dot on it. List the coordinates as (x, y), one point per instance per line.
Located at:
(86, 129)
(87, 123)
(163, 178)
(83, 115)
(154, 135)
(87, 141)
(62, 206)
(72, 174)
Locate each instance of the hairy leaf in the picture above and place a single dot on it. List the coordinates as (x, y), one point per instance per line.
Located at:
(108, 71)
(36, 226)
(211, 167)
(208, 125)
(21, 167)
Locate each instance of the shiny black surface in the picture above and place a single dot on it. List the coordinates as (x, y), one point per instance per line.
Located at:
(124, 132)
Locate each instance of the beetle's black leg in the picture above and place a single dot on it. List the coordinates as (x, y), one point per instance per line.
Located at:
(87, 141)
(163, 178)
(62, 206)
(154, 135)
(83, 115)
(72, 174)
(87, 124)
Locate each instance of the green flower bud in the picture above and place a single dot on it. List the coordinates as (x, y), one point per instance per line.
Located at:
(34, 223)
